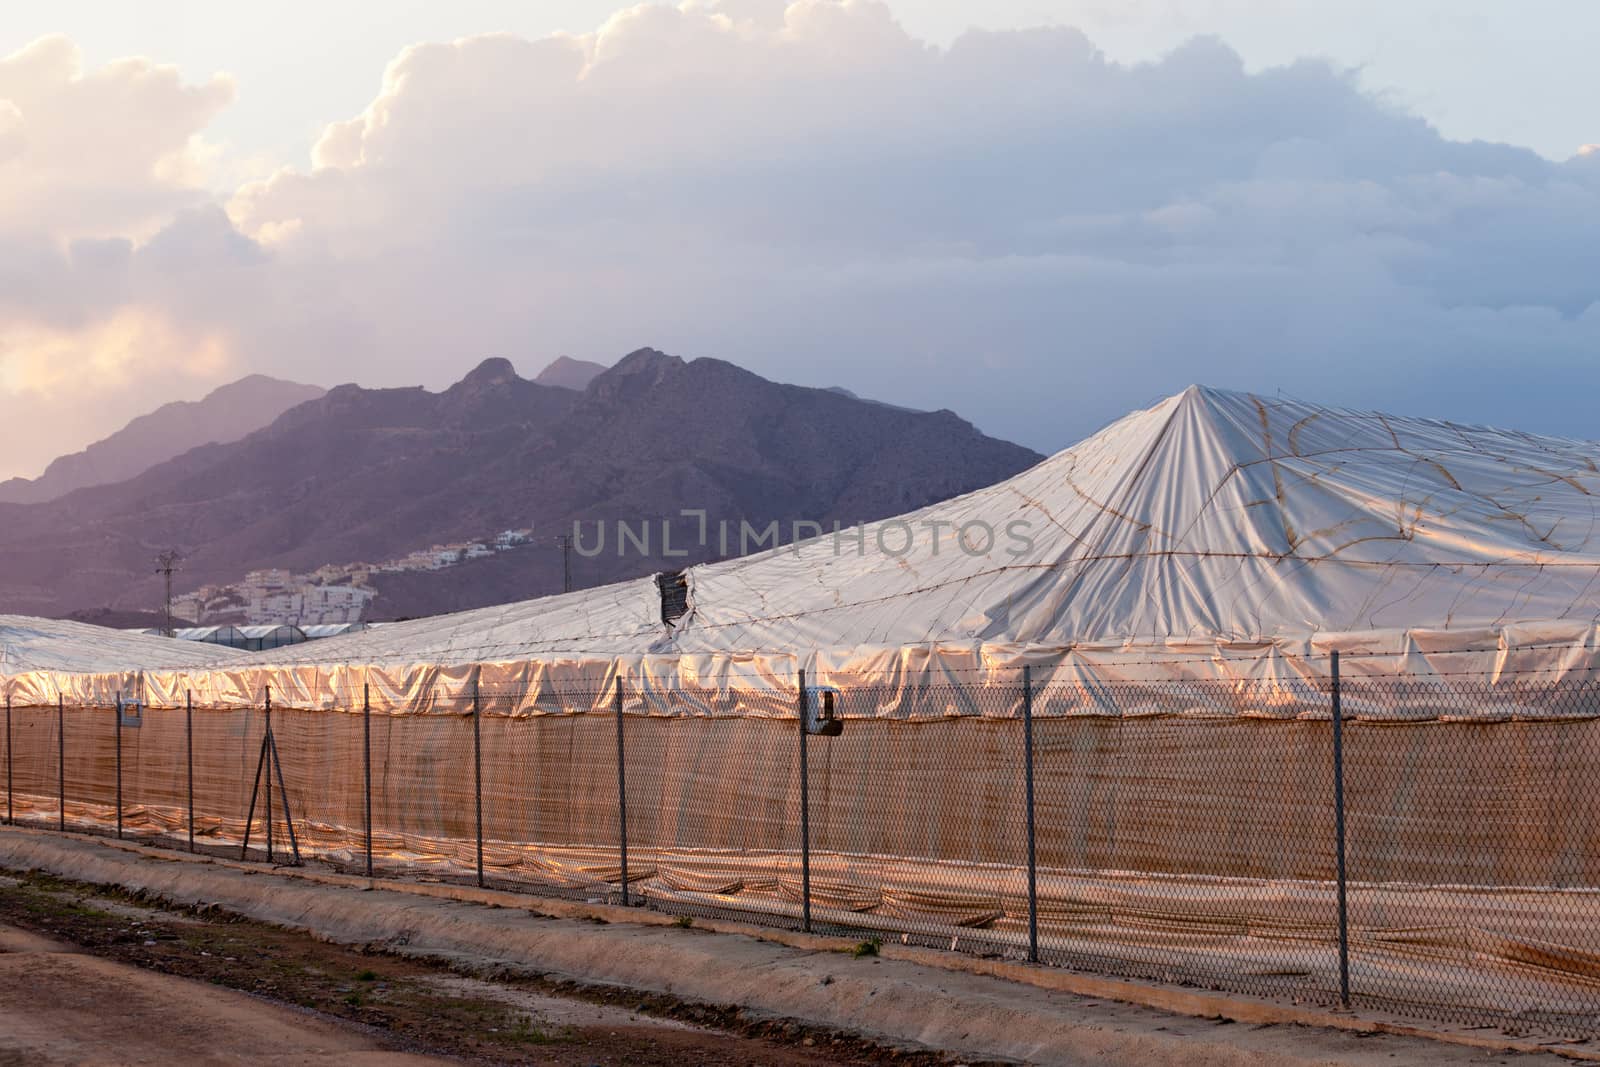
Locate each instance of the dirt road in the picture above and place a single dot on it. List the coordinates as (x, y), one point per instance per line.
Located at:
(60, 1006)
(88, 976)
(508, 979)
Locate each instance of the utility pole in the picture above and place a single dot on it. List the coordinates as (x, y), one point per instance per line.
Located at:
(166, 563)
(565, 541)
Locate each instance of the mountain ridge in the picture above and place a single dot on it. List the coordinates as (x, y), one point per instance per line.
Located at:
(371, 474)
(225, 414)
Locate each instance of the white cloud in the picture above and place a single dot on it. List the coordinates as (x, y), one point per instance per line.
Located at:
(92, 164)
(816, 193)
(108, 151)
(812, 192)
(78, 384)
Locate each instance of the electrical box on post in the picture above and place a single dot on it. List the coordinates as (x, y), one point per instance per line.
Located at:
(824, 706)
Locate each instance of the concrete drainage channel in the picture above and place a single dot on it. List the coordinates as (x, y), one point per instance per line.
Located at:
(906, 998)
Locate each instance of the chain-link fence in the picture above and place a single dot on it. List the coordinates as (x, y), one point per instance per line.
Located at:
(1425, 845)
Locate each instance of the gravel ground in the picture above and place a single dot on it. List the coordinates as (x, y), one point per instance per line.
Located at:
(93, 975)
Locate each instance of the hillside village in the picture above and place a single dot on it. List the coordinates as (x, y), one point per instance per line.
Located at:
(333, 593)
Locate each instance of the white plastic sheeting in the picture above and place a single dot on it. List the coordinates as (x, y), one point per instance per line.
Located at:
(1214, 517)
(32, 644)
(1216, 534)
(41, 659)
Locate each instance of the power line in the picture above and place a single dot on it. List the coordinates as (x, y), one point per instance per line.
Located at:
(166, 563)
(565, 541)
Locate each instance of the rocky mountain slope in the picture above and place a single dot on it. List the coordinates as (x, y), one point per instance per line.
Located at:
(370, 474)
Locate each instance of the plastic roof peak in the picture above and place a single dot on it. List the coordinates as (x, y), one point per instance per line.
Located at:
(1214, 515)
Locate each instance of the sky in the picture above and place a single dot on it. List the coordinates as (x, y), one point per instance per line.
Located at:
(1038, 213)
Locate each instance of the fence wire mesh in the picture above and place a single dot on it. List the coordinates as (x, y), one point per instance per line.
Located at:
(1474, 851)
(1175, 832)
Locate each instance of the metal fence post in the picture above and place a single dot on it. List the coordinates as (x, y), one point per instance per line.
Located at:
(477, 773)
(1338, 832)
(622, 796)
(188, 751)
(266, 751)
(283, 793)
(805, 817)
(255, 791)
(268, 763)
(118, 736)
(1027, 771)
(61, 762)
(366, 763)
(10, 817)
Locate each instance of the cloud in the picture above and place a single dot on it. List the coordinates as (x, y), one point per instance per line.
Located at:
(118, 351)
(99, 172)
(108, 151)
(80, 384)
(1013, 226)
(810, 190)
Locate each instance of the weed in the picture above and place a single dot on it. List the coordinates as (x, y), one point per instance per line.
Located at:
(526, 1033)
